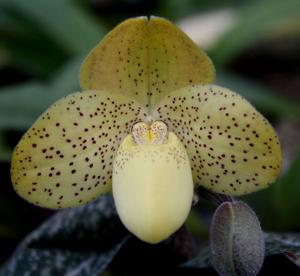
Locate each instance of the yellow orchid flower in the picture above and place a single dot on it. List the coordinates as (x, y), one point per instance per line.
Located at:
(149, 127)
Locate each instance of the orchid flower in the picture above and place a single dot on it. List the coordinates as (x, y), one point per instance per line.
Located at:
(150, 127)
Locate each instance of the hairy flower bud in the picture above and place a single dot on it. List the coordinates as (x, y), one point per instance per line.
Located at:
(236, 240)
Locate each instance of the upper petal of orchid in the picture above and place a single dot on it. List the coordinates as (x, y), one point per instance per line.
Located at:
(232, 148)
(145, 59)
(65, 159)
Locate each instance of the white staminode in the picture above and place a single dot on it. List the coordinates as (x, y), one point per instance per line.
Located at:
(156, 133)
(152, 182)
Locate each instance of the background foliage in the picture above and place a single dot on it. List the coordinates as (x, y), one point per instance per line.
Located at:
(42, 44)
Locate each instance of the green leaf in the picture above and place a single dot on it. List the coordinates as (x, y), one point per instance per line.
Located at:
(260, 96)
(279, 206)
(24, 45)
(5, 152)
(67, 78)
(178, 8)
(285, 195)
(254, 20)
(63, 20)
(79, 241)
(20, 105)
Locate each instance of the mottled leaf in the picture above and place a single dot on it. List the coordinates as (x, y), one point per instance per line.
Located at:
(232, 148)
(202, 260)
(79, 241)
(275, 243)
(145, 59)
(65, 158)
(284, 243)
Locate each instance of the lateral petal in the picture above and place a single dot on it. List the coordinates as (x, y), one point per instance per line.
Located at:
(232, 147)
(65, 158)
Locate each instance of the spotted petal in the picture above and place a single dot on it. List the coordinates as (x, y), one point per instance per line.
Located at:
(145, 59)
(232, 148)
(65, 158)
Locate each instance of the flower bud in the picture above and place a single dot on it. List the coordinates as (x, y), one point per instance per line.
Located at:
(236, 240)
